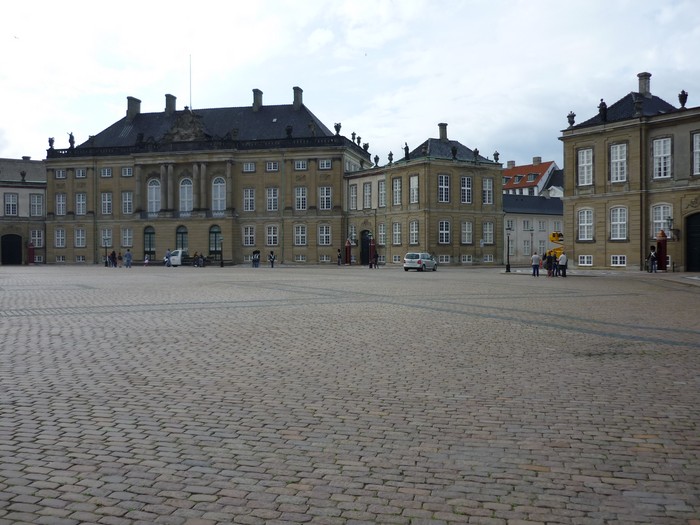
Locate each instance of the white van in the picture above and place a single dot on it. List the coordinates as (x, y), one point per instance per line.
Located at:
(177, 257)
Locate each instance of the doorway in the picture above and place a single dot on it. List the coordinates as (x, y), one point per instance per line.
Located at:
(11, 249)
(692, 243)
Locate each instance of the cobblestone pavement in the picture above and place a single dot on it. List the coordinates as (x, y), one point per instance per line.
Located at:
(331, 395)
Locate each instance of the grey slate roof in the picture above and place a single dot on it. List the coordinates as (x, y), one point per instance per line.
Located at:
(556, 179)
(624, 109)
(442, 149)
(11, 171)
(238, 123)
(531, 204)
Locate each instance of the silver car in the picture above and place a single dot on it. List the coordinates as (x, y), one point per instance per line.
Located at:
(419, 261)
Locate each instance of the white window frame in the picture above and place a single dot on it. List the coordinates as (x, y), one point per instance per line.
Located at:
(249, 167)
(618, 223)
(353, 197)
(127, 237)
(487, 191)
(186, 195)
(272, 165)
(413, 232)
(659, 218)
(300, 198)
(444, 236)
(59, 238)
(443, 188)
(696, 153)
(381, 234)
(127, 202)
(324, 235)
(662, 158)
(218, 195)
(301, 165)
(80, 203)
(36, 205)
(396, 191)
(272, 235)
(487, 232)
(413, 189)
(585, 260)
(272, 198)
(325, 198)
(300, 235)
(11, 204)
(248, 199)
(153, 189)
(396, 233)
(105, 172)
(60, 204)
(325, 164)
(585, 224)
(80, 173)
(127, 171)
(37, 238)
(467, 232)
(367, 195)
(584, 167)
(60, 173)
(381, 194)
(466, 190)
(618, 162)
(248, 235)
(106, 203)
(618, 260)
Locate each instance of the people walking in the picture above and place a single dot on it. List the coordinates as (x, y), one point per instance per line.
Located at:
(167, 257)
(340, 257)
(652, 262)
(535, 265)
(563, 260)
(128, 257)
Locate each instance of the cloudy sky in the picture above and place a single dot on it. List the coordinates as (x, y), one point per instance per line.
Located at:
(502, 73)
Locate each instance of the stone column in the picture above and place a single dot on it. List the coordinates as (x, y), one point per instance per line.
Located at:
(204, 196)
(171, 187)
(138, 203)
(163, 187)
(229, 184)
(195, 186)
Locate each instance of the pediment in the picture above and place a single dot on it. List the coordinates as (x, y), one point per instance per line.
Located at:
(187, 127)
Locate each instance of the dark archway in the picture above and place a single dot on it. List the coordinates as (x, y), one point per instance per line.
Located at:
(364, 247)
(692, 243)
(11, 249)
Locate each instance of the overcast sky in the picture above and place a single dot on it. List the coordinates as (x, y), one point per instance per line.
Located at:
(503, 74)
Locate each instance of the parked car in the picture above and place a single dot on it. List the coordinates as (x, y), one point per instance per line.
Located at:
(179, 257)
(419, 261)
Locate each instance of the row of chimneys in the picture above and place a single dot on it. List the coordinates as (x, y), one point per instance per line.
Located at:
(133, 107)
(535, 162)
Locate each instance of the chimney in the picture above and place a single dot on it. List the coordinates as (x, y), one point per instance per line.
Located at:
(443, 130)
(298, 98)
(257, 99)
(26, 157)
(536, 161)
(133, 108)
(170, 104)
(510, 164)
(644, 84)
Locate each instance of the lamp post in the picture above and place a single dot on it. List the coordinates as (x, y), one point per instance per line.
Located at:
(221, 251)
(532, 242)
(508, 230)
(104, 245)
(669, 221)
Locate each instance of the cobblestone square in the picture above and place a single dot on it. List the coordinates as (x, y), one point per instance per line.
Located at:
(344, 395)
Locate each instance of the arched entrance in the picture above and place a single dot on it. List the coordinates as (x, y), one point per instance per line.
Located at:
(11, 249)
(692, 243)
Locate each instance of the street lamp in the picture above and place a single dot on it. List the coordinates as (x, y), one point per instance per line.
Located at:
(532, 242)
(508, 230)
(669, 220)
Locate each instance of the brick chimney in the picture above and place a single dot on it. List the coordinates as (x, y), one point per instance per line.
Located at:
(170, 104)
(536, 161)
(133, 108)
(298, 100)
(257, 99)
(644, 84)
(443, 130)
(510, 164)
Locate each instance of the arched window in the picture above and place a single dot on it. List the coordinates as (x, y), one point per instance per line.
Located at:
(585, 225)
(181, 242)
(660, 215)
(153, 196)
(218, 195)
(185, 196)
(215, 243)
(149, 242)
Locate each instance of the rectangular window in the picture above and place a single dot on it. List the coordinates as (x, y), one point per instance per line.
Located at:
(80, 173)
(466, 190)
(381, 234)
(488, 232)
(59, 238)
(106, 237)
(585, 260)
(527, 248)
(105, 172)
(444, 232)
(353, 197)
(509, 224)
(413, 189)
(80, 259)
(542, 226)
(660, 215)
(396, 191)
(381, 193)
(127, 237)
(487, 193)
(585, 225)
(127, 172)
(80, 241)
(249, 236)
(300, 200)
(272, 199)
(466, 259)
(324, 164)
(272, 165)
(324, 235)
(396, 233)
(127, 202)
(526, 225)
(80, 203)
(443, 188)
(488, 258)
(367, 195)
(60, 174)
(248, 199)
(413, 232)
(106, 200)
(37, 238)
(272, 235)
(618, 224)
(300, 235)
(60, 204)
(662, 158)
(301, 165)
(585, 167)
(248, 167)
(618, 163)
(324, 197)
(36, 205)
(618, 260)
(467, 232)
(541, 246)
(11, 203)
(696, 153)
